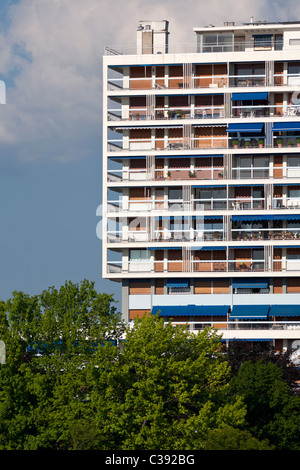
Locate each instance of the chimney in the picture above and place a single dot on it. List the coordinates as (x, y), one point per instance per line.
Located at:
(152, 37)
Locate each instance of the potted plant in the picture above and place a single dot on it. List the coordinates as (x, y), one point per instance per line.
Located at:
(279, 143)
(290, 143)
(171, 114)
(180, 113)
(298, 141)
(260, 143)
(216, 235)
(247, 143)
(235, 143)
(169, 175)
(137, 116)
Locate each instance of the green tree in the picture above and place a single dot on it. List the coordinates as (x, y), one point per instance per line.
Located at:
(165, 390)
(272, 409)
(239, 352)
(50, 368)
(234, 439)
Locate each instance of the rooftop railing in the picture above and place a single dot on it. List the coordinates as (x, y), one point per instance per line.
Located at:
(228, 46)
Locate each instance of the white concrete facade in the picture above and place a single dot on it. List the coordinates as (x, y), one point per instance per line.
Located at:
(162, 109)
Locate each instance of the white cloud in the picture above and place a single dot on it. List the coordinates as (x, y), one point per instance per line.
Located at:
(54, 48)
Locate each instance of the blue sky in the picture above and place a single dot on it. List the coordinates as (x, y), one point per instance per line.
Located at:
(50, 127)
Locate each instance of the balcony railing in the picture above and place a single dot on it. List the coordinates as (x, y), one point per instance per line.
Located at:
(118, 145)
(166, 235)
(207, 173)
(173, 205)
(203, 81)
(189, 266)
(266, 234)
(238, 325)
(203, 112)
(195, 143)
(205, 266)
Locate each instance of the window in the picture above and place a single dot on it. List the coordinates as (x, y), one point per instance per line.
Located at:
(293, 161)
(263, 41)
(178, 290)
(217, 42)
(294, 42)
(139, 255)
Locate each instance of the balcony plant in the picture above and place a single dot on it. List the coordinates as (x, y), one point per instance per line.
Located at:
(298, 141)
(216, 235)
(260, 143)
(247, 143)
(235, 143)
(290, 143)
(279, 143)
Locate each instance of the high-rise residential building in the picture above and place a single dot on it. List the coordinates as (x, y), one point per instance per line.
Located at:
(201, 178)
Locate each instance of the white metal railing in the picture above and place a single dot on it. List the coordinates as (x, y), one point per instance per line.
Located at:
(204, 112)
(142, 174)
(203, 266)
(275, 172)
(203, 81)
(165, 235)
(266, 234)
(206, 173)
(211, 203)
(241, 325)
(229, 46)
(191, 266)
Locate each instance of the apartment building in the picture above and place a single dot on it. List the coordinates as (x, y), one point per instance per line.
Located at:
(201, 178)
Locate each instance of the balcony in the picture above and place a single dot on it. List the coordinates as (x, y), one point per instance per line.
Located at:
(164, 235)
(266, 234)
(173, 174)
(192, 266)
(162, 144)
(208, 173)
(203, 81)
(203, 204)
(204, 112)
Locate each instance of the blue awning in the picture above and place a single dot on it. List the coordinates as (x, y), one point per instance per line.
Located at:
(172, 310)
(211, 310)
(285, 310)
(286, 126)
(207, 248)
(220, 186)
(249, 96)
(249, 312)
(250, 283)
(190, 310)
(187, 156)
(178, 283)
(163, 248)
(249, 218)
(245, 127)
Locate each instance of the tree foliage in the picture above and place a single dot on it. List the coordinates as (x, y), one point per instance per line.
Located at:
(75, 379)
(166, 390)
